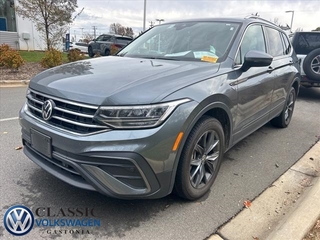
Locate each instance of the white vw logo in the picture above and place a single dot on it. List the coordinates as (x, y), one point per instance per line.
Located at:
(47, 109)
(18, 220)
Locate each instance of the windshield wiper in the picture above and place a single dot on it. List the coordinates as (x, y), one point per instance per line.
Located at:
(163, 58)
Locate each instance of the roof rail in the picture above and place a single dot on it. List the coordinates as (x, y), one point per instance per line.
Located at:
(257, 17)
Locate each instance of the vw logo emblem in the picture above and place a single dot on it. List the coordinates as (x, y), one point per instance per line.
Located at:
(47, 109)
(18, 220)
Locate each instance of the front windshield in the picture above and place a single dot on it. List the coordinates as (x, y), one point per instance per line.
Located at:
(190, 41)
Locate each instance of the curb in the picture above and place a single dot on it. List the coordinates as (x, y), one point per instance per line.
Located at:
(286, 210)
(302, 219)
(14, 83)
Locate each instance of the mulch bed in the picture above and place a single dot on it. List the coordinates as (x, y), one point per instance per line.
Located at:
(26, 72)
(314, 233)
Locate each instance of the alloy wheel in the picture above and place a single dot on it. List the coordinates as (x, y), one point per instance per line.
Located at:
(204, 159)
(315, 65)
(289, 107)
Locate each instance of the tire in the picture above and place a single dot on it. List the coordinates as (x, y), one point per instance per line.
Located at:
(107, 52)
(200, 159)
(311, 65)
(90, 52)
(283, 120)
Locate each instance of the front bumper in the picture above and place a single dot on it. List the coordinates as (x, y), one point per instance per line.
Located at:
(127, 164)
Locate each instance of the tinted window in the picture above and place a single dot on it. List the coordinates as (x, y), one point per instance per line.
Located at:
(275, 42)
(287, 45)
(123, 40)
(106, 38)
(252, 40)
(306, 42)
(100, 38)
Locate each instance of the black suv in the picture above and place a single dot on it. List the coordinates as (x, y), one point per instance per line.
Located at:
(162, 112)
(105, 42)
(307, 48)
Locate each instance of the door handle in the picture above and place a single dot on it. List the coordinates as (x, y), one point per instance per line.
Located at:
(270, 69)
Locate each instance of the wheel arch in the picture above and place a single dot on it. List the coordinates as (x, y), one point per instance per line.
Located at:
(296, 84)
(218, 110)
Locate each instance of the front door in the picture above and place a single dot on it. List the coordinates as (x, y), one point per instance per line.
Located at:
(254, 86)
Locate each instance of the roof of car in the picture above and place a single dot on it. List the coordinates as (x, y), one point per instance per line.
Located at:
(116, 35)
(248, 19)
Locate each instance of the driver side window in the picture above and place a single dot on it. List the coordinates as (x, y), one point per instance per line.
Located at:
(252, 40)
(106, 38)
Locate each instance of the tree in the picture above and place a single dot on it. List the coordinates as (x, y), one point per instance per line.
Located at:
(276, 21)
(117, 28)
(87, 37)
(317, 29)
(51, 17)
(129, 32)
(299, 29)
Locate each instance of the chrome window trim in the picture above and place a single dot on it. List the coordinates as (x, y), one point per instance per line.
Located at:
(244, 33)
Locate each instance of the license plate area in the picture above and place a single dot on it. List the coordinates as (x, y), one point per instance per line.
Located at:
(41, 142)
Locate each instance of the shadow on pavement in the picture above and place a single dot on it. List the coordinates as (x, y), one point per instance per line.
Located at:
(309, 94)
(117, 216)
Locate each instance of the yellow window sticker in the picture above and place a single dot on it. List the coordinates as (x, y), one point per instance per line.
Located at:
(209, 59)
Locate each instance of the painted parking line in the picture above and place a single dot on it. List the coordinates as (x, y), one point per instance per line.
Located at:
(8, 119)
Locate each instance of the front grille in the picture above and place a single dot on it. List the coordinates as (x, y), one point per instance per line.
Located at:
(67, 115)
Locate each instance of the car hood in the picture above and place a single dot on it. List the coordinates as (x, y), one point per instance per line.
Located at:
(120, 80)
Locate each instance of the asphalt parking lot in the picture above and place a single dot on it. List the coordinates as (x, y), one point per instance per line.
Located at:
(248, 169)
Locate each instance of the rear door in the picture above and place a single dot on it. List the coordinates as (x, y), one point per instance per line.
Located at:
(104, 45)
(282, 66)
(96, 44)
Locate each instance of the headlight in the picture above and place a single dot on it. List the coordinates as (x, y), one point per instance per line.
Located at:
(143, 116)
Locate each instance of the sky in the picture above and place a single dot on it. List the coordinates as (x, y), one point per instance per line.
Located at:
(129, 13)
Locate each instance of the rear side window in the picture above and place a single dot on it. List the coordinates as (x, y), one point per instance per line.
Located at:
(123, 40)
(304, 43)
(275, 42)
(287, 45)
(253, 40)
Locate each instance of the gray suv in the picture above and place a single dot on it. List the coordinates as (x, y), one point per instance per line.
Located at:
(104, 43)
(160, 115)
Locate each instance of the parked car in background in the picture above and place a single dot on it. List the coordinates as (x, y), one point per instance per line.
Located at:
(161, 113)
(105, 43)
(307, 48)
(81, 45)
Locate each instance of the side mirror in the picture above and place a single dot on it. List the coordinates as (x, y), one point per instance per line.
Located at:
(94, 39)
(256, 59)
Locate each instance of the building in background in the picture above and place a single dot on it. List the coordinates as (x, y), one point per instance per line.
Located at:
(17, 32)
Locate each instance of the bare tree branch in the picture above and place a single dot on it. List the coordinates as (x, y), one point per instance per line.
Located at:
(117, 28)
